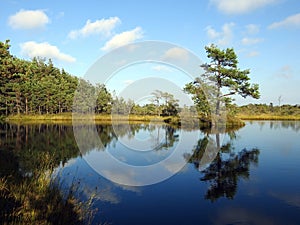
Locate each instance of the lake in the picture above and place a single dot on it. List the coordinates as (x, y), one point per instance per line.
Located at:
(249, 175)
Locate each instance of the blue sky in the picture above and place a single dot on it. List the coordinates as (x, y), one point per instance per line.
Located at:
(264, 33)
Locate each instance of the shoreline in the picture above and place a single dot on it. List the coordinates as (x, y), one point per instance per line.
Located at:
(268, 117)
(68, 118)
(97, 119)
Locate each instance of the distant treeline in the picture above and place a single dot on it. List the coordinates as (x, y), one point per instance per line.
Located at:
(259, 109)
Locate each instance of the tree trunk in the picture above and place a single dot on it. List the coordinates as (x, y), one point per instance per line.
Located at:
(218, 106)
(219, 85)
(218, 141)
(26, 133)
(6, 108)
(26, 106)
(18, 138)
(48, 103)
(18, 103)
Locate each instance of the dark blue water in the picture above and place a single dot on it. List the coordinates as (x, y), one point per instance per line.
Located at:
(254, 179)
(245, 176)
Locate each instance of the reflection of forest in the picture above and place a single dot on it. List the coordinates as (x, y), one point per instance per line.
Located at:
(221, 165)
(26, 143)
(162, 135)
(157, 130)
(169, 137)
(29, 154)
(275, 125)
(22, 145)
(295, 126)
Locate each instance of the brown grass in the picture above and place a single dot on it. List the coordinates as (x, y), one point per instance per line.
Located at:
(268, 117)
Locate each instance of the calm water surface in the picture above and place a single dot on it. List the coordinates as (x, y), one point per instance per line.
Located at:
(253, 179)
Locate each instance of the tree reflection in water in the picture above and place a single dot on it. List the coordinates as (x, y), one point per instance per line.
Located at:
(227, 168)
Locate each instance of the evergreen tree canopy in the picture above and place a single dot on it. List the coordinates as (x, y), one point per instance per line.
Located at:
(223, 72)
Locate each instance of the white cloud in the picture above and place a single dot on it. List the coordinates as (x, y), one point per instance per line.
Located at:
(103, 26)
(240, 6)
(122, 178)
(60, 15)
(229, 214)
(128, 82)
(132, 47)
(45, 50)
(252, 29)
(251, 41)
(123, 39)
(224, 37)
(227, 34)
(176, 54)
(292, 199)
(290, 21)
(28, 19)
(162, 68)
(252, 54)
(285, 72)
(212, 33)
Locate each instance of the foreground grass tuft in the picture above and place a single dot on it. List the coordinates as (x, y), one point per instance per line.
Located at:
(37, 199)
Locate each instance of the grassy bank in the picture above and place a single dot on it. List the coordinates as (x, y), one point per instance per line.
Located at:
(67, 118)
(267, 117)
(233, 121)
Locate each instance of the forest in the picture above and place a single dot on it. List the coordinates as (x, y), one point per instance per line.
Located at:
(37, 87)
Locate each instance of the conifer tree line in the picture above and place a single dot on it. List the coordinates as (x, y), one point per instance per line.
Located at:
(33, 86)
(38, 87)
